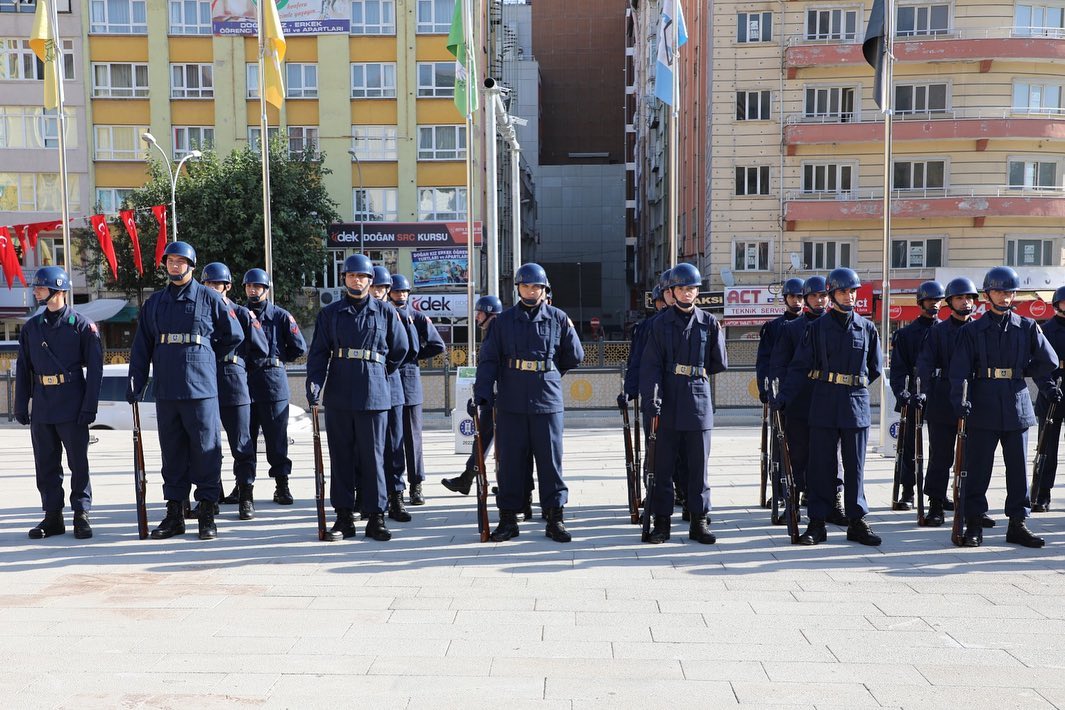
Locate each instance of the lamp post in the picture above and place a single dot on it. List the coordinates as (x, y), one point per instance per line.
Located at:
(150, 140)
(362, 189)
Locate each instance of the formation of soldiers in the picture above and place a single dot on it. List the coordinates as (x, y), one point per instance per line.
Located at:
(217, 364)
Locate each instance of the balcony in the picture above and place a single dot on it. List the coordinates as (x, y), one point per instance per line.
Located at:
(1010, 43)
(981, 125)
(977, 203)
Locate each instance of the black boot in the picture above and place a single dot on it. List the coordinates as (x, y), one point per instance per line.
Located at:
(974, 533)
(416, 497)
(836, 516)
(686, 515)
(51, 525)
(234, 496)
(987, 521)
(459, 484)
(935, 515)
(247, 502)
(377, 529)
(526, 512)
(507, 528)
(396, 511)
(660, 532)
(82, 529)
(860, 532)
(907, 497)
(174, 522)
(815, 533)
(699, 532)
(208, 530)
(343, 528)
(1042, 502)
(1019, 534)
(948, 505)
(187, 511)
(556, 529)
(282, 495)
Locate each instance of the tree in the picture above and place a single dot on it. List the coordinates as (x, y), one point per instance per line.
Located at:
(220, 213)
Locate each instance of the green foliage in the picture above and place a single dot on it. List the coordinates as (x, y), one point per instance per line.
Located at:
(220, 213)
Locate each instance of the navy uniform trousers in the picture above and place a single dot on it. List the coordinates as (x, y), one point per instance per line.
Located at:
(980, 458)
(49, 441)
(412, 443)
(486, 424)
(1050, 469)
(190, 440)
(271, 418)
(689, 449)
(941, 441)
(537, 437)
(364, 433)
(236, 421)
(395, 463)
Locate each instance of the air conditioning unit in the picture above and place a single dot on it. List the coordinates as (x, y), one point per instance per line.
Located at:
(328, 295)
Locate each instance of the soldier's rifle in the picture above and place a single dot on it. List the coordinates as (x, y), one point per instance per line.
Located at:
(1041, 450)
(630, 463)
(918, 458)
(762, 501)
(481, 477)
(649, 470)
(319, 473)
(140, 476)
(960, 472)
(900, 446)
(791, 493)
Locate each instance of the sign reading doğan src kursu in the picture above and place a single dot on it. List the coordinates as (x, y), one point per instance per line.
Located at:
(393, 235)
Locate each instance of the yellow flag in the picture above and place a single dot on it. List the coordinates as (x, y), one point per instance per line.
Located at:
(46, 253)
(43, 45)
(273, 54)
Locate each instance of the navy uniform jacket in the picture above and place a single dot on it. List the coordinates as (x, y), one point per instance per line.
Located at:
(233, 370)
(933, 367)
(851, 348)
(267, 377)
(906, 345)
(61, 348)
(632, 365)
(356, 385)
(430, 344)
(183, 371)
(768, 337)
(395, 379)
(676, 338)
(784, 352)
(1009, 342)
(543, 334)
(1054, 332)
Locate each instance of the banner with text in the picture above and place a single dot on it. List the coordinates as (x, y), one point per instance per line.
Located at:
(440, 267)
(298, 17)
(441, 305)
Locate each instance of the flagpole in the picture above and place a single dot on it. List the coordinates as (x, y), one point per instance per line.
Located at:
(264, 148)
(64, 201)
(471, 270)
(887, 99)
(674, 137)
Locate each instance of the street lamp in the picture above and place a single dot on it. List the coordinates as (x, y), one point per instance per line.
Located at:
(150, 140)
(362, 222)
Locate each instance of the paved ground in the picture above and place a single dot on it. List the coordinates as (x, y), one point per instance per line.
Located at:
(268, 616)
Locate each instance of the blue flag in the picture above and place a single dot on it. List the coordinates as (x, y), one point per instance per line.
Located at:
(667, 52)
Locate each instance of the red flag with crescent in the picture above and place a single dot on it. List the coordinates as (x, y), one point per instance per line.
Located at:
(103, 233)
(131, 228)
(160, 242)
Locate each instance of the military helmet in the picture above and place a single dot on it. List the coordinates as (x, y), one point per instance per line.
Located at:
(961, 286)
(216, 271)
(814, 284)
(792, 287)
(930, 289)
(531, 274)
(256, 276)
(53, 278)
(358, 264)
(182, 249)
(400, 283)
(684, 275)
(1002, 278)
(381, 277)
(490, 305)
(842, 278)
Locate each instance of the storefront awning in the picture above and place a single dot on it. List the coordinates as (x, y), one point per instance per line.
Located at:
(97, 311)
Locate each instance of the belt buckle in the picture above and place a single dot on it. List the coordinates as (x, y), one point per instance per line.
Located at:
(527, 365)
(846, 380)
(172, 338)
(1003, 372)
(49, 380)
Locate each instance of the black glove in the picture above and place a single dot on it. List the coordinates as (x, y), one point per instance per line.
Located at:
(918, 399)
(654, 407)
(1054, 395)
(132, 396)
(314, 394)
(86, 418)
(471, 407)
(777, 404)
(763, 397)
(965, 409)
(22, 418)
(623, 401)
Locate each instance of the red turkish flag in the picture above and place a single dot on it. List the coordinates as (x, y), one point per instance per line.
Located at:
(131, 228)
(103, 233)
(37, 227)
(160, 242)
(9, 259)
(20, 233)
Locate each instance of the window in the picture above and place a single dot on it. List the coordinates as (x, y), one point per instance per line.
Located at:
(119, 143)
(831, 24)
(834, 103)
(754, 27)
(434, 16)
(118, 17)
(1037, 97)
(31, 127)
(916, 253)
(919, 175)
(374, 142)
(753, 105)
(1033, 174)
(827, 254)
(376, 204)
(302, 139)
(922, 20)
(752, 181)
(301, 81)
(373, 80)
(436, 79)
(109, 199)
(1039, 21)
(190, 138)
(36, 192)
(19, 63)
(441, 142)
(254, 132)
(1030, 252)
(119, 81)
(252, 74)
(441, 204)
(191, 81)
(190, 17)
(373, 17)
(750, 256)
(831, 178)
(920, 98)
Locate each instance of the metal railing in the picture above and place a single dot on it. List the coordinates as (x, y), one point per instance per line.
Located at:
(1056, 192)
(1002, 32)
(952, 114)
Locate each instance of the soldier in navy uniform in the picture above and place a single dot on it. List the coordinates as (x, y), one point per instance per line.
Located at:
(1054, 331)
(631, 386)
(54, 347)
(485, 312)
(234, 402)
(522, 360)
(840, 353)
(430, 344)
(358, 342)
(994, 354)
(182, 333)
(685, 347)
(906, 345)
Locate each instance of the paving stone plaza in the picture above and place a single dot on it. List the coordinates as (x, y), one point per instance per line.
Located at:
(267, 616)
